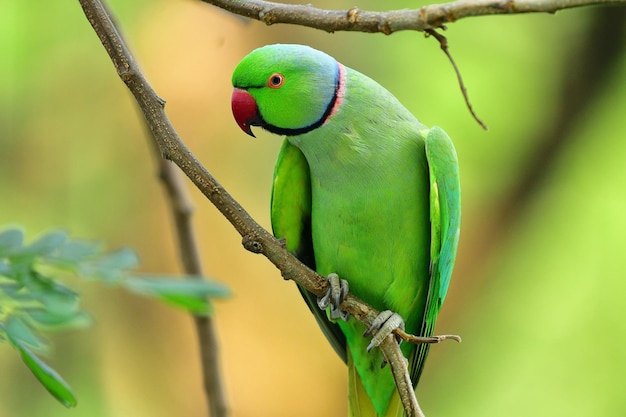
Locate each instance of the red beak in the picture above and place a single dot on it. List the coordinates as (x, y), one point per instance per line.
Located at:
(245, 110)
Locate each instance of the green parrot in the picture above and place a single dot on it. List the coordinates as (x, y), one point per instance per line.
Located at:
(363, 190)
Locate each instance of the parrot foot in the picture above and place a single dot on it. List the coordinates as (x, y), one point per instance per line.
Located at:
(382, 326)
(337, 291)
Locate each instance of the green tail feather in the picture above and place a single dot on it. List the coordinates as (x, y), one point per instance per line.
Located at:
(359, 403)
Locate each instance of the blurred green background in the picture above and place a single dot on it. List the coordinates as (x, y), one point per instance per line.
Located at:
(538, 292)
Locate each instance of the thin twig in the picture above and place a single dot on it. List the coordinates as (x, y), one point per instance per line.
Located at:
(182, 209)
(255, 238)
(443, 43)
(388, 22)
(407, 337)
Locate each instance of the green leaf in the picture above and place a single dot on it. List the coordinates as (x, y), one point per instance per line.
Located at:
(75, 252)
(73, 319)
(10, 240)
(111, 267)
(18, 330)
(4, 267)
(12, 292)
(44, 245)
(190, 293)
(56, 298)
(124, 258)
(51, 380)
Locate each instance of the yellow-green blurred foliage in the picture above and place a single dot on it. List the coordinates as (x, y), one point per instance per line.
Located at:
(541, 314)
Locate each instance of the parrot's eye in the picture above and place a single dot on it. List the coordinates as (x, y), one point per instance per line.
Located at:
(276, 80)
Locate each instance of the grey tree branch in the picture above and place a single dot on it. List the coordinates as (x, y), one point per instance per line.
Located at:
(255, 238)
(427, 17)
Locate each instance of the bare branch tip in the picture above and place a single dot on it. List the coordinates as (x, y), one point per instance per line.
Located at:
(454, 337)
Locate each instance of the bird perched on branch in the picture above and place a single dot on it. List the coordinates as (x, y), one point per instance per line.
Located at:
(363, 192)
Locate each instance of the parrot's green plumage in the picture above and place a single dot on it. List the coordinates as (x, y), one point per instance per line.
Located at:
(361, 189)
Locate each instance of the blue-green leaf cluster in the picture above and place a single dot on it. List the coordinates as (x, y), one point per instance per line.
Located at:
(33, 300)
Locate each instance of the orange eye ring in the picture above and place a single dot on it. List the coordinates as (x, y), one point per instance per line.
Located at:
(276, 80)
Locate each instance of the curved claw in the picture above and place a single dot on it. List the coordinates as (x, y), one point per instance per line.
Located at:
(337, 291)
(382, 326)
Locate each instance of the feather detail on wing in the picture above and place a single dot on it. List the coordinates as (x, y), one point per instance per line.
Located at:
(291, 220)
(445, 215)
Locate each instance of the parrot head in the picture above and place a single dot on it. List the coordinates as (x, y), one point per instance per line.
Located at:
(285, 89)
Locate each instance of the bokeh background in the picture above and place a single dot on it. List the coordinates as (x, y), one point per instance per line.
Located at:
(539, 292)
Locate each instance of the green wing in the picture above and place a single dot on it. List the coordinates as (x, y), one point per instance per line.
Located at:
(445, 217)
(291, 220)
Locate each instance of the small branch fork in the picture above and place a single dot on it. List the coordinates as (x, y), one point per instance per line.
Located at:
(255, 238)
(443, 42)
